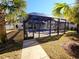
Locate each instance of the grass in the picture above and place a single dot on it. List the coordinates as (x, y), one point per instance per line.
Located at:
(53, 46)
(48, 39)
(15, 51)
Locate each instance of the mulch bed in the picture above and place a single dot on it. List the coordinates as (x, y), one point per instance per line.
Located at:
(72, 48)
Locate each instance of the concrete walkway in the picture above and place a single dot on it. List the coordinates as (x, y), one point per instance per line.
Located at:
(32, 50)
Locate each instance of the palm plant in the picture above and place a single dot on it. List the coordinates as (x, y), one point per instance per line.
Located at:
(77, 1)
(16, 10)
(70, 13)
(13, 9)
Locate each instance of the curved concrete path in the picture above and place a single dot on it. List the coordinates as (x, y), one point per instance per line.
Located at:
(32, 50)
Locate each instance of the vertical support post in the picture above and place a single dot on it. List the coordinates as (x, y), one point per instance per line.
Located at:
(65, 26)
(68, 26)
(33, 30)
(39, 30)
(25, 30)
(47, 24)
(55, 29)
(58, 22)
(50, 29)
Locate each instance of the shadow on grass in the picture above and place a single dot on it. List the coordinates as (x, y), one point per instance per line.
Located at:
(11, 45)
(15, 46)
(37, 41)
(12, 37)
(48, 39)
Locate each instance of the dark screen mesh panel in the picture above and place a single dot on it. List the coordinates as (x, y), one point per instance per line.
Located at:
(39, 26)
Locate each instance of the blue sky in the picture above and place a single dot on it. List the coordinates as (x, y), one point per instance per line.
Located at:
(44, 6)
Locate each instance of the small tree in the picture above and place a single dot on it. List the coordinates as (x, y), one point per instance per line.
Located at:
(70, 13)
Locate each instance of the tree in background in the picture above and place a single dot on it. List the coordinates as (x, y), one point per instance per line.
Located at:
(9, 10)
(69, 12)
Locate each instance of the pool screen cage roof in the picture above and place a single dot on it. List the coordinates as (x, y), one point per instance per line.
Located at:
(35, 19)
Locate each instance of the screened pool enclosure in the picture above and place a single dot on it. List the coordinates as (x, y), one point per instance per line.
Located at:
(42, 26)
